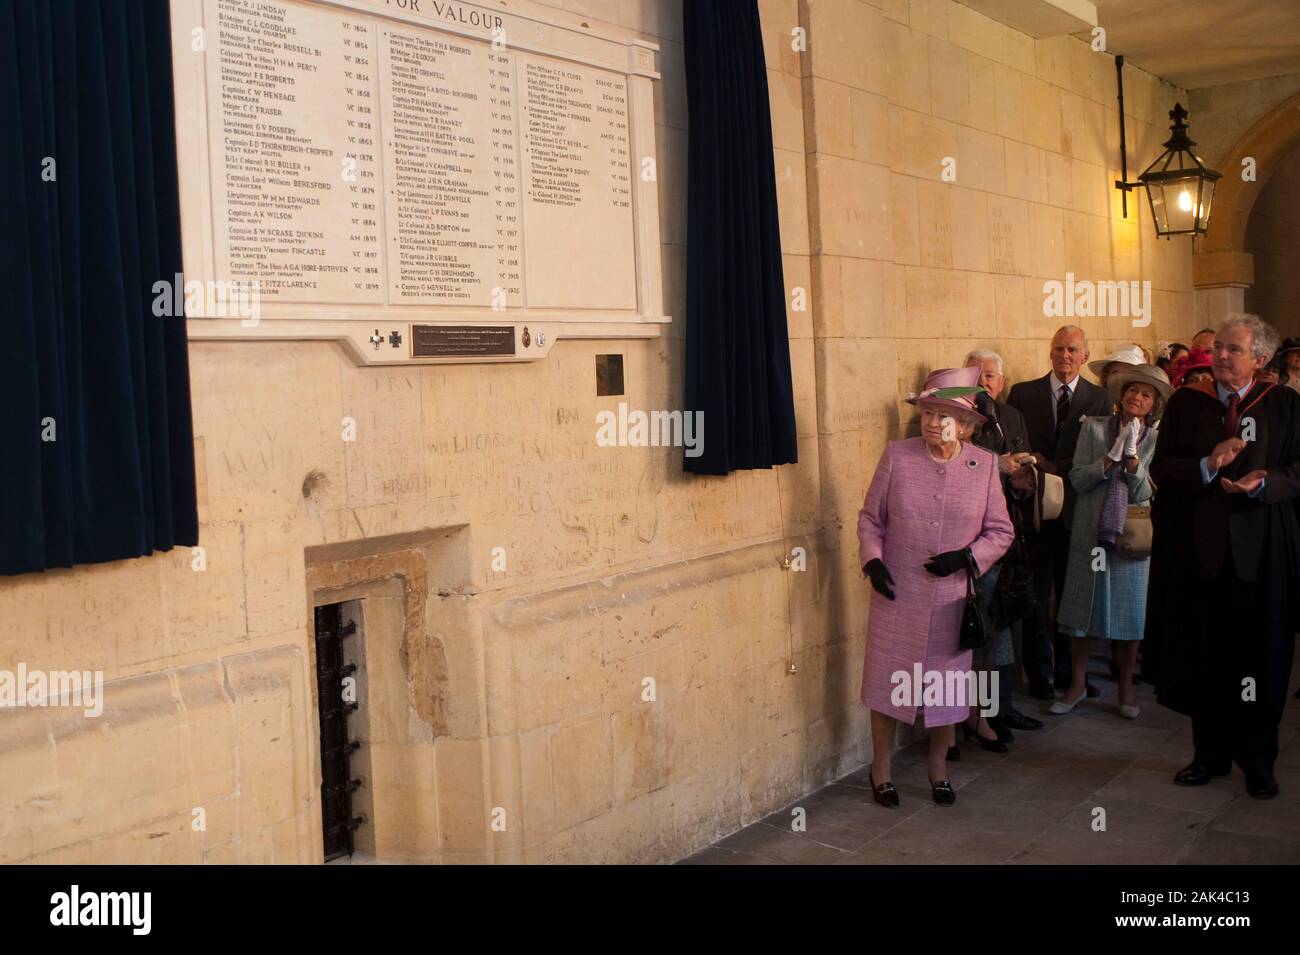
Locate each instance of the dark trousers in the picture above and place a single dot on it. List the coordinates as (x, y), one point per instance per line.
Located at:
(1006, 676)
(1247, 738)
(1044, 652)
(1225, 728)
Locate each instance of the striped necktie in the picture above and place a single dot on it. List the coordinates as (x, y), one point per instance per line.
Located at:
(1062, 411)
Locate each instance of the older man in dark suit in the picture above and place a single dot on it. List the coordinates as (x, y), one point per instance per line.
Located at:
(1006, 436)
(1224, 599)
(1052, 407)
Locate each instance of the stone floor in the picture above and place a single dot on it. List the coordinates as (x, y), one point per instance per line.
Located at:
(1036, 804)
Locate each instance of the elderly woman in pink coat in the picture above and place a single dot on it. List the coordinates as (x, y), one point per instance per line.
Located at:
(935, 502)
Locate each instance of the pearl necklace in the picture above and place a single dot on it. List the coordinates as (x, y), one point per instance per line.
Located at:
(943, 460)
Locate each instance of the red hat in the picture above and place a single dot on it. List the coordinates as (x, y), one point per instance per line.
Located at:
(1184, 364)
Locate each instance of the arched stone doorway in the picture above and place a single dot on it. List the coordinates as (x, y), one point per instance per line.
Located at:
(1222, 268)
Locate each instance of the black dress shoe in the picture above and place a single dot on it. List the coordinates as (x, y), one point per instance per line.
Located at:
(1197, 773)
(1261, 787)
(942, 791)
(1017, 720)
(885, 793)
(999, 726)
(992, 745)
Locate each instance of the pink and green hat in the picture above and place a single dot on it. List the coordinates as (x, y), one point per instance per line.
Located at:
(952, 388)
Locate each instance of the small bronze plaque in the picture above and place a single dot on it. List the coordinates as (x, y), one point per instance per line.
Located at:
(461, 341)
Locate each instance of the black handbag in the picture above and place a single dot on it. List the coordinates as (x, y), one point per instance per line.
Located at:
(976, 630)
(1013, 598)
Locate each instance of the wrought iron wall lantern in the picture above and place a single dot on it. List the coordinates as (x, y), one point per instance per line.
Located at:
(1179, 186)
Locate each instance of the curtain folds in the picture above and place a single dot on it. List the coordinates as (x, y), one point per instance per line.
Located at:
(737, 343)
(97, 457)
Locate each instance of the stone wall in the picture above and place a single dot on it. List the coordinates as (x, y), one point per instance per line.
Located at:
(1220, 115)
(619, 568)
(1273, 240)
(911, 271)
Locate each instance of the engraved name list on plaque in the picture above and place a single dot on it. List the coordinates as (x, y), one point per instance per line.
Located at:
(397, 161)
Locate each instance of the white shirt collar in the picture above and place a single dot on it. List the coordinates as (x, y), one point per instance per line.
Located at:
(1223, 391)
(1057, 384)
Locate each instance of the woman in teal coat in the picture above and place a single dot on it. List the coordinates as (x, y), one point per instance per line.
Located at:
(1105, 594)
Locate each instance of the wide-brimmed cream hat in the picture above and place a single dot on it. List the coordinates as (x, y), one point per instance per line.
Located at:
(1128, 353)
(1144, 374)
(1049, 498)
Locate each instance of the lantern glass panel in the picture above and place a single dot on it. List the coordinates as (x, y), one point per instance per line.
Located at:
(1207, 198)
(1180, 205)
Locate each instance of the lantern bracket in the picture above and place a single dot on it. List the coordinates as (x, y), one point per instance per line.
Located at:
(1122, 184)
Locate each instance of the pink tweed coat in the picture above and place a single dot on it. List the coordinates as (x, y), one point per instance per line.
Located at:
(917, 507)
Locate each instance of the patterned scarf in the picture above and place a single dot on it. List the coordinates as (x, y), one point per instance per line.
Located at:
(1114, 506)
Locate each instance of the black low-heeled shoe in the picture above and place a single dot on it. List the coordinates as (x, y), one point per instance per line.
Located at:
(885, 794)
(1001, 729)
(942, 792)
(992, 745)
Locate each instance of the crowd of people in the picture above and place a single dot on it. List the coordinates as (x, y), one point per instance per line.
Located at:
(1156, 510)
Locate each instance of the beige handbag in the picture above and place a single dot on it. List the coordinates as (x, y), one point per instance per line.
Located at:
(1134, 541)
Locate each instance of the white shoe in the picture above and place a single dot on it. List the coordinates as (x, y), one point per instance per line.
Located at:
(1060, 707)
(1129, 712)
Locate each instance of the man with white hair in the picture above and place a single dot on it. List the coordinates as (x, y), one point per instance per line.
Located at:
(1053, 407)
(1224, 599)
(1006, 436)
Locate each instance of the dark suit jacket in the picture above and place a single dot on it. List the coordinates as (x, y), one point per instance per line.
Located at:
(1007, 436)
(1198, 527)
(1033, 399)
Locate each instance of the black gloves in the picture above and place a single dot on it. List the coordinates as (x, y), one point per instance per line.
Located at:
(949, 562)
(880, 579)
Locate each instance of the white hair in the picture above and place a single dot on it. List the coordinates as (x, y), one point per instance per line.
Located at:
(1070, 330)
(979, 354)
(1264, 338)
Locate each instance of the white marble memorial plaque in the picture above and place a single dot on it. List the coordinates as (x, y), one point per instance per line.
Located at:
(577, 183)
(292, 128)
(372, 159)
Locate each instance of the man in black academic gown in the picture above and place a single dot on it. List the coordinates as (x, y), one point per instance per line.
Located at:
(1006, 436)
(1052, 407)
(1225, 561)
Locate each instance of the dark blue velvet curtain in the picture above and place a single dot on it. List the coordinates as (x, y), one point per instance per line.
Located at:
(89, 220)
(737, 344)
